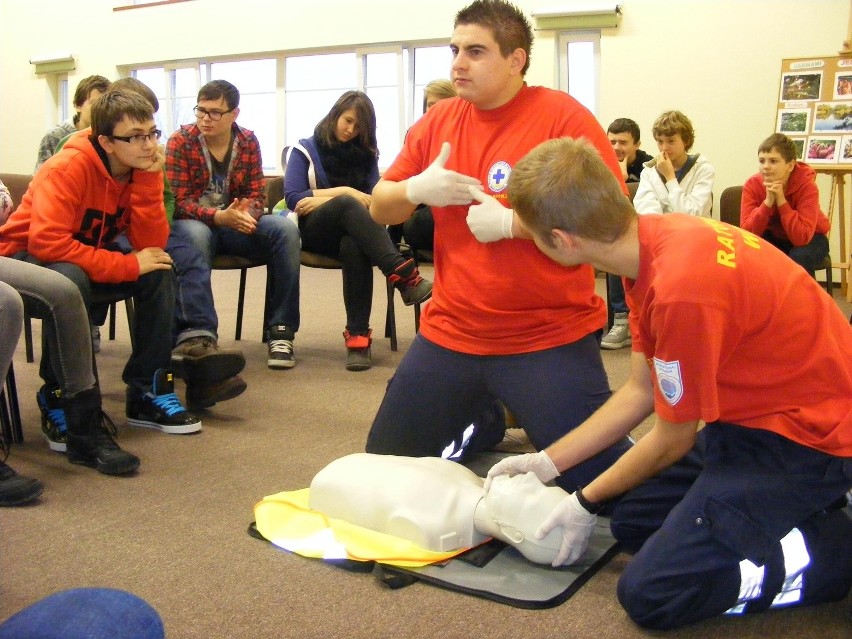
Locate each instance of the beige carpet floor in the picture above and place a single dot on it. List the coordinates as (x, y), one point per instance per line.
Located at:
(175, 533)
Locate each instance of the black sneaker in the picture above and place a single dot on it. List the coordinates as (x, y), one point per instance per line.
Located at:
(160, 408)
(199, 359)
(200, 396)
(54, 425)
(281, 354)
(99, 450)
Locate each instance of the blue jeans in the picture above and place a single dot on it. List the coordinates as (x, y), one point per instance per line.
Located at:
(195, 315)
(809, 256)
(615, 293)
(276, 240)
(85, 613)
(54, 299)
(437, 393)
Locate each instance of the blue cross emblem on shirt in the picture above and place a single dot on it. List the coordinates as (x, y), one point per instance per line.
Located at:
(498, 176)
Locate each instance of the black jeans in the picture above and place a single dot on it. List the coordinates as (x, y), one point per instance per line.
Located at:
(154, 300)
(343, 229)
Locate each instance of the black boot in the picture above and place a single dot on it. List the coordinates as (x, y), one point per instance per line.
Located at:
(91, 436)
(15, 489)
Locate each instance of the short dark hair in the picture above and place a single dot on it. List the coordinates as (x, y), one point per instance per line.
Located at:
(625, 125)
(364, 112)
(216, 89)
(781, 143)
(675, 122)
(85, 87)
(509, 25)
(564, 184)
(137, 86)
(112, 106)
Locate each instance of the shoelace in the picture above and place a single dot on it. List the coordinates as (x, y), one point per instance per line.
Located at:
(57, 416)
(284, 346)
(168, 403)
(106, 434)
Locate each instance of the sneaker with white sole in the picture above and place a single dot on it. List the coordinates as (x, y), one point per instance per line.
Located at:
(54, 425)
(160, 408)
(281, 353)
(619, 334)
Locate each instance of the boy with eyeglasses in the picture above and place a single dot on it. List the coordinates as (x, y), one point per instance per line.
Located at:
(216, 173)
(85, 196)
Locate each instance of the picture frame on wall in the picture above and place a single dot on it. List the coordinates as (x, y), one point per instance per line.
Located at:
(845, 150)
(833, 117)
(843, 85)
(798, 86)
(792, 121)
(822, 149)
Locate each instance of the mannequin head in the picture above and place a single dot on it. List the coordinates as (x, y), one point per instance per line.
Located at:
(513, 510)
(436, 503)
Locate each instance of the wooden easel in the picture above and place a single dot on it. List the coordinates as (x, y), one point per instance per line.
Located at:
(838, 176)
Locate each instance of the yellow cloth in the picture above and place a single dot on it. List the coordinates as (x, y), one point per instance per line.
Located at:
(286, 520)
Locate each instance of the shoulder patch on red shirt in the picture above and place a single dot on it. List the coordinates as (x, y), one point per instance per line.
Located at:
(669, 380)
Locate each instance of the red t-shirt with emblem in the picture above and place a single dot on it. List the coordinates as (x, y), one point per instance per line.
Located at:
(735, 331)
(501, 297)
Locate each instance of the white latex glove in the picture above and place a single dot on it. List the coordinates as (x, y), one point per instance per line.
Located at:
(577, 525)
(489, 220)
(538, 463)
(438, 186)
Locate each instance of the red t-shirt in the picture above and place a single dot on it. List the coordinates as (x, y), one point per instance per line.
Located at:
(501, 297)
(735, 331)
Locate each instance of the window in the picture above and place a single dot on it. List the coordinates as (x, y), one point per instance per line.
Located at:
(312, 84)
(429, 63)
(64, 98)
(283, 98)
(579, 66)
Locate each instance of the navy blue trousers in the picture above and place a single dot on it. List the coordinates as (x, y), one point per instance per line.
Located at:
(733, 498)
(437, 393)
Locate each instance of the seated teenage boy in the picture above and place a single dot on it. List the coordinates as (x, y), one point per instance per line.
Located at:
(747, 513)
(81, 199)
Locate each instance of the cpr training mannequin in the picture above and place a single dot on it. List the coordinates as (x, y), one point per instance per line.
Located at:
(438, 504)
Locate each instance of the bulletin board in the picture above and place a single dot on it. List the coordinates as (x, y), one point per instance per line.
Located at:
(815, 111)
(815, 108)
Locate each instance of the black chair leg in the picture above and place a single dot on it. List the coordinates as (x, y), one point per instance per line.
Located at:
(241, 298)
(112, 323)
(390, 318)
(10, 411)
(28, 338)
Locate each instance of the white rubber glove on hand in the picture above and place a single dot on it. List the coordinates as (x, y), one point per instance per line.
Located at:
(489, 220)
(438, 186)
(577, 525)
(538, 463)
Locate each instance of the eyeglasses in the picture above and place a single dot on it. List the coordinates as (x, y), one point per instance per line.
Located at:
(140, 138)
(215, 116)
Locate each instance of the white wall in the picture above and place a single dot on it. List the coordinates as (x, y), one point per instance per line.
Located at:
(716, 60)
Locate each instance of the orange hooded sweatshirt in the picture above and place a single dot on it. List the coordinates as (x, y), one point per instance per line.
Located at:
(74, 208)
(797, 220)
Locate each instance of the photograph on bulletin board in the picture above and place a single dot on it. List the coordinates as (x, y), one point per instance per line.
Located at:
(833, 117)
(822, 149)
(799, 143)
(792, 121)
(801, 85)
(843, 85)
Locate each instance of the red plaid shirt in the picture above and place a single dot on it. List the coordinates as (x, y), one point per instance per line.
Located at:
(188, 168)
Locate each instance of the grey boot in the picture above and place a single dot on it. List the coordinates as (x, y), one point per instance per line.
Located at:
(91, 436)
